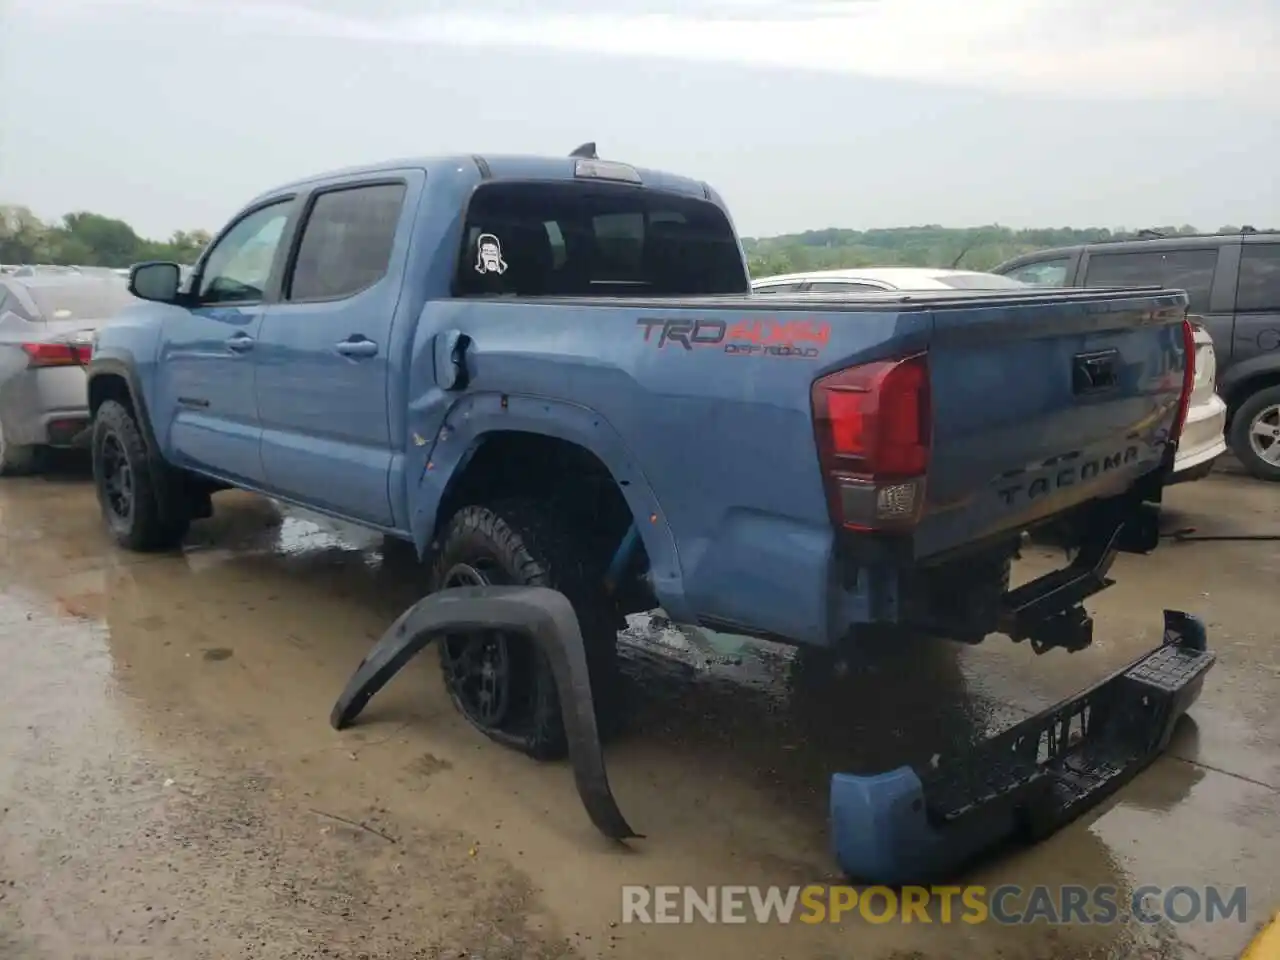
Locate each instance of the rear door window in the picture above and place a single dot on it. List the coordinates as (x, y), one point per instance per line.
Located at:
(346, 242)
(579, 239)
(1189, 270)
(1258, 289)
(778, 288)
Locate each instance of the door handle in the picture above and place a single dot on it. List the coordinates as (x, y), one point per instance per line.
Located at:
(357, 348)
(240, 343)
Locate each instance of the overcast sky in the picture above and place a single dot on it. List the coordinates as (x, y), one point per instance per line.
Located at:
(850, 113)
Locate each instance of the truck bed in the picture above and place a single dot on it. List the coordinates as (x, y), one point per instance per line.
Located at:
(715, 399)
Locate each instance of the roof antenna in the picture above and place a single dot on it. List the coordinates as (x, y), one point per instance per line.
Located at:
(963, 250)
(586, 152)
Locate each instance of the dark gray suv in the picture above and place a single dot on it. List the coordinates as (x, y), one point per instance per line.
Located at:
(1233, 282)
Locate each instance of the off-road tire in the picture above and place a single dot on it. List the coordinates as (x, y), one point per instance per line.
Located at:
(1242, 423)
(153, 523)
(531, 544)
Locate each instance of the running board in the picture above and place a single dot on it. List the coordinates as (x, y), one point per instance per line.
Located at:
(914, 825)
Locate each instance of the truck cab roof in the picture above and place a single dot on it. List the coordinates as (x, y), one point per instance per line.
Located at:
(507, 167)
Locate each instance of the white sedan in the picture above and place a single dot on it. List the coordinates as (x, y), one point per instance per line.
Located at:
(867, 279)
(1203, 438)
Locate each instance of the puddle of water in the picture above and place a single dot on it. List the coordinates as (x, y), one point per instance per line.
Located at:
(736, 738)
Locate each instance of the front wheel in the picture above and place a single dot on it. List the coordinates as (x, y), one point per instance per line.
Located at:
(503, 684)
(1255, 434)
(129, 485)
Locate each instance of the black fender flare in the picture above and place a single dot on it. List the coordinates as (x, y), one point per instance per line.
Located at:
(1233, 380)
(543, 615)
(117, 367)
(112, 366)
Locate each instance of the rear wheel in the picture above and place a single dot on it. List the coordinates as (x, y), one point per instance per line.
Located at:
(502, 683)
(138, 509)
(1255, 434)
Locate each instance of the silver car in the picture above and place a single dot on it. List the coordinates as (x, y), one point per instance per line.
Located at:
(46, 322)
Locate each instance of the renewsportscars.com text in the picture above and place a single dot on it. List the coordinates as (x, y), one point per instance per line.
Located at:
(1007, 904)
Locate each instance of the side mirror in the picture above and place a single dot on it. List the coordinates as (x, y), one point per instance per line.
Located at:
(158, 280)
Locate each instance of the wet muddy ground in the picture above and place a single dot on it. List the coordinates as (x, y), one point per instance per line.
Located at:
(170, 787)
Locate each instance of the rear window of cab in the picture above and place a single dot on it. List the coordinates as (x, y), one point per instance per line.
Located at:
(587, 239)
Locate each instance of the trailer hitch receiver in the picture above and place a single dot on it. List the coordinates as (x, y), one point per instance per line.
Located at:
(543, 615)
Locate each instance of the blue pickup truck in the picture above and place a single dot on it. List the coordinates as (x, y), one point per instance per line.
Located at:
(551, 373)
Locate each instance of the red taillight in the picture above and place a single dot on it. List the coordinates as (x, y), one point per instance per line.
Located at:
(873, 426)
(56, 354)
(1188, 380)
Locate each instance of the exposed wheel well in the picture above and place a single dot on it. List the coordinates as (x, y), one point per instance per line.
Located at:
(516, 464)
(1240, 392)
(109, 386)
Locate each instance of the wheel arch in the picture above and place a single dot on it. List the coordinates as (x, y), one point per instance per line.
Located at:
(1243, 380)
(492, 445)
(114, 378)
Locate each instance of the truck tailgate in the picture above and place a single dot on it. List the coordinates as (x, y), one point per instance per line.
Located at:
(1044, 405)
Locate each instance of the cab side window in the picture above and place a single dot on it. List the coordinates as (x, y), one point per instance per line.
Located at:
(1043, 273)
(239, 264)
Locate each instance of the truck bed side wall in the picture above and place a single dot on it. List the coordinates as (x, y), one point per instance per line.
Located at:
(720, 450)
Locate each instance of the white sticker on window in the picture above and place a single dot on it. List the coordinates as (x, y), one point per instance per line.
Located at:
(489, 255)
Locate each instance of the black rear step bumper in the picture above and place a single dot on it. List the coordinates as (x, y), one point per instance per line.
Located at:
(906, 825)
(916, 825)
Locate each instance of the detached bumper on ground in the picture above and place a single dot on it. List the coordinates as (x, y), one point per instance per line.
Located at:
(912, 825)
(906, 825)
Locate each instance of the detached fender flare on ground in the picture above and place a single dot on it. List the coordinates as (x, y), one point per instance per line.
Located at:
(543, 615)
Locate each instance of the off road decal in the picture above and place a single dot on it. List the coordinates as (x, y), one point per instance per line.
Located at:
(744, 338)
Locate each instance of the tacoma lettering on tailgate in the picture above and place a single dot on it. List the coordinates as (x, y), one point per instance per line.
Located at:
(1066, 476)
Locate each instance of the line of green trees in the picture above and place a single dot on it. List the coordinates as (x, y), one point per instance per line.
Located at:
(87, 240)
(93, 240)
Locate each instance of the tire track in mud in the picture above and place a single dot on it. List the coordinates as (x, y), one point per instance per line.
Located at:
(113, 849)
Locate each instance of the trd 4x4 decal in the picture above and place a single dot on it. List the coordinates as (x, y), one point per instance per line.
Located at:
(769, 338)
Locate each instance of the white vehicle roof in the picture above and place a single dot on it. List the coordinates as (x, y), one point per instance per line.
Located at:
(899, 278)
